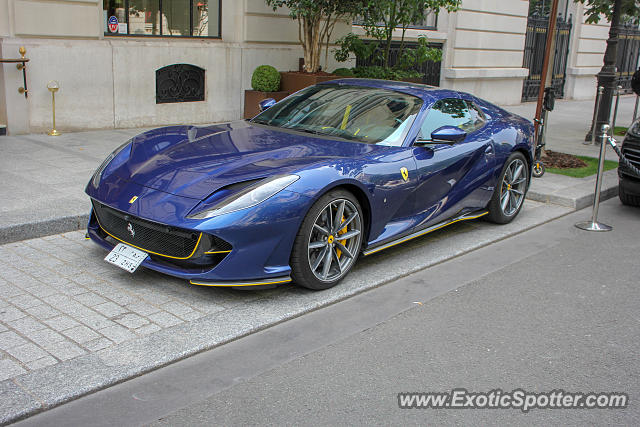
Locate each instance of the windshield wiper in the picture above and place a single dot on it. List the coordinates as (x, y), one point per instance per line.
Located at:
(305, 130)
(260, 122)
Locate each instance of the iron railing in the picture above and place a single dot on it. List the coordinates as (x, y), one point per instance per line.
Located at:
(537, 28)
(628, 53)
(428, 22)
(430, 70)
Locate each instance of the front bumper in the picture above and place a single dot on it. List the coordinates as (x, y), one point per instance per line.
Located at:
(261, 240)
(628, 181)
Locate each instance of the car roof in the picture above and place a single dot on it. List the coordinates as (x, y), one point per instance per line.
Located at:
(426, 92)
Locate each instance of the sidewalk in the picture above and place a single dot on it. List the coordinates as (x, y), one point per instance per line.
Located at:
(570, 121)
(45, 176)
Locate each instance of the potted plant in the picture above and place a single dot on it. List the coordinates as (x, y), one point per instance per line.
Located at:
(265, 83)
(316, 20)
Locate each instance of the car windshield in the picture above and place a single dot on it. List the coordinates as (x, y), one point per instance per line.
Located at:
(357, 113)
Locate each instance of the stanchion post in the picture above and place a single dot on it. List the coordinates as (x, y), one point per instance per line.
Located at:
(635, 109)
(595, 115)
(615, 111)
(594, 225)
(53, 87)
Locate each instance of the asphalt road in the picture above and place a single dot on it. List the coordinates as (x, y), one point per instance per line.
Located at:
(552, 308)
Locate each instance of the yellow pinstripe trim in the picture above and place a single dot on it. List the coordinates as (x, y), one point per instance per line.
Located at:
(406, 239)
(148, 251)
(217, 252)
(239, 284)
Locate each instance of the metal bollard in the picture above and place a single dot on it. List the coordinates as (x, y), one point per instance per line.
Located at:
(53, 87)
(615, 111)
(635, 109)
(594, 225)
(595, 118)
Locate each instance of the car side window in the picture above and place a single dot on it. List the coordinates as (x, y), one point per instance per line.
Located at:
(452, 112)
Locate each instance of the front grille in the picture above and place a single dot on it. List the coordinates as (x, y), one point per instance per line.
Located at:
(147, 235)
(632, 154)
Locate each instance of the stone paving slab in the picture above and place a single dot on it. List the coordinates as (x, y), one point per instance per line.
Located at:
(71, 324)
(45, 177)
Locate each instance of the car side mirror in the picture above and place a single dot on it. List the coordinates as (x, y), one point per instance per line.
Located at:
(266, 103)
(448, 134)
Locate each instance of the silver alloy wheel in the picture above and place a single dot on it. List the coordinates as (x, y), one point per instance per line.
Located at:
(334, 241)
(513, 187)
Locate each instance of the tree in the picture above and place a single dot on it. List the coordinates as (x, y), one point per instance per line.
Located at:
(594, 9)
(316, 21)
(382, 17)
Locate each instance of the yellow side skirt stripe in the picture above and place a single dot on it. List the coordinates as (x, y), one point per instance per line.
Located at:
(229, 285)
(422, 233)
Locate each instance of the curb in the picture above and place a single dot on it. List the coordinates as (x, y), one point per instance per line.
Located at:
(578, 195)
(32, 230)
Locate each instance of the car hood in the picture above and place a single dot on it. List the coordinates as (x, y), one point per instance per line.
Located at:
(195, 162)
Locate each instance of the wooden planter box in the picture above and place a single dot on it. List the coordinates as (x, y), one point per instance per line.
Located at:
(253, 97)
(294, 81)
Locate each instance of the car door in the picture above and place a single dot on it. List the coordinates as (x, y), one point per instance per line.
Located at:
(451, 177)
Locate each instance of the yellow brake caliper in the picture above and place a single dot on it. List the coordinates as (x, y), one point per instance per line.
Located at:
(342, 242)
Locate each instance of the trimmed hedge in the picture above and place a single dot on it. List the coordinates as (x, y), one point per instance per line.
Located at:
(265, 78)
(344, 72)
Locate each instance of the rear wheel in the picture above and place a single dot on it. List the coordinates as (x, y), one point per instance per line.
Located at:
(328, 242)
(508, 196)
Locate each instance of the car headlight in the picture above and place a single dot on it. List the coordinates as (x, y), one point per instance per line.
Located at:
(249, 197)
(635, 128)
(95, 180)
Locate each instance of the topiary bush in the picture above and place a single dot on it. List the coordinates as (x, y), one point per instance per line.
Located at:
(265, 78)
(344, 72)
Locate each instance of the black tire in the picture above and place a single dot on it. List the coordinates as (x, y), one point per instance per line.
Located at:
(626, 198)
(496, 212)
(302, 255)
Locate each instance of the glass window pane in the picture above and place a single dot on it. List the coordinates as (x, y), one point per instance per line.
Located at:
(201, 18)
(175, 17)
(205, 18)
(113, 8)
(144, 17)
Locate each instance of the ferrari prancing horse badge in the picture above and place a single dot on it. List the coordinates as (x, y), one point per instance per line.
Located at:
(405, 173)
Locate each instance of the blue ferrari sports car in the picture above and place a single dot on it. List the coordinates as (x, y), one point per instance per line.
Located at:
(341, 169)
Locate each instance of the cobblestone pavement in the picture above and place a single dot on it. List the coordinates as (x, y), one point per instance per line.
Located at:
(58, 300)
(71, 324)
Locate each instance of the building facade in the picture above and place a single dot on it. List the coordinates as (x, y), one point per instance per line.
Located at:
(107, 61)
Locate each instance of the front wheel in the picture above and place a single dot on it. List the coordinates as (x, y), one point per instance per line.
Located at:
(328, 242)
(626, 198)
(508, 196)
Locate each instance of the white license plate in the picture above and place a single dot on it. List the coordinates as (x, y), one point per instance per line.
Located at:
(126, 257)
